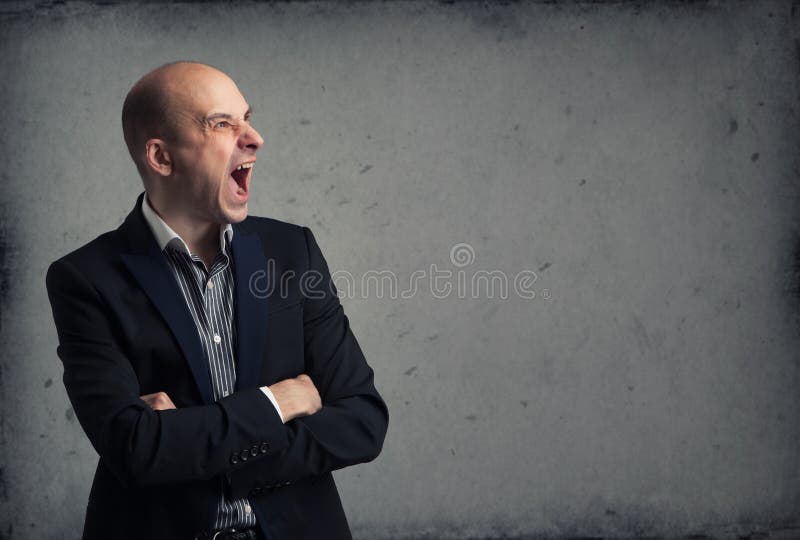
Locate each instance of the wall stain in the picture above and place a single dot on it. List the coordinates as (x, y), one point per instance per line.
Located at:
(793, 279)
(491, 312)
(503, 22)
(4, 266)
(410, 370)
(5, 274)
(3, 487)
(641, 335)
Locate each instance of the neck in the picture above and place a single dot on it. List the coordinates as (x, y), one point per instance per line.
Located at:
(202, 237)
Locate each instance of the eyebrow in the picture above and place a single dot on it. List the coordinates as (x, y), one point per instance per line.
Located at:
(226, 116)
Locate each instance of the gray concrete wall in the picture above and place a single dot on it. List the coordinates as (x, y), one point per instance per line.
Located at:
(641, 160)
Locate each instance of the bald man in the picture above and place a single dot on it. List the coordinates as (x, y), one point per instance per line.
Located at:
(205, 351)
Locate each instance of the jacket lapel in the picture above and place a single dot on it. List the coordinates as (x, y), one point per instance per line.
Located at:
(250, 267)
(148, 265)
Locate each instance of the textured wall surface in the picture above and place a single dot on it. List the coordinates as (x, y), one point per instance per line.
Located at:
(641, 160)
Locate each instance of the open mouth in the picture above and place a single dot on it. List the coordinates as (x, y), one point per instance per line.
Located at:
(241, 175)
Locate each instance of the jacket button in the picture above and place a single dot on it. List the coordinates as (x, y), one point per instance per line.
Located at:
(234, 458)
(245, 455)
(264, 447)
(254, 450)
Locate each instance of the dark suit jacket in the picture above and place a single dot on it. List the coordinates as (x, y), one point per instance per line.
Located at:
(124, 330)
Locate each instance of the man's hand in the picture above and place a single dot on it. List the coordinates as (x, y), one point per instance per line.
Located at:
(159, 401)
(296, 397)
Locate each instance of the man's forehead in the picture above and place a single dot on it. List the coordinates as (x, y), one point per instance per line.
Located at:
(206, 97)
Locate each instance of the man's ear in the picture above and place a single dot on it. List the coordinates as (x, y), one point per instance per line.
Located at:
(157, 157)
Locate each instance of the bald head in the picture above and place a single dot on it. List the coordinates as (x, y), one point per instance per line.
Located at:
(154, 106)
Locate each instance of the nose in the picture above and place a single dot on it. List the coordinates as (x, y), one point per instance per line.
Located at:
(251, 139)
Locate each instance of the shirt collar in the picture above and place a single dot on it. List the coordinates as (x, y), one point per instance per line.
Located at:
(166, 236)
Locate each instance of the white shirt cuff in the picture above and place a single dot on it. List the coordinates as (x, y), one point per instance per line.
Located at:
(271, 396)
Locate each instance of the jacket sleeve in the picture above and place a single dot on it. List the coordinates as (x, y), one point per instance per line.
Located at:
(351, 425)
(142, 446)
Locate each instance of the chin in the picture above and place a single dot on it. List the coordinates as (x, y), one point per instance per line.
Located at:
(236, 216)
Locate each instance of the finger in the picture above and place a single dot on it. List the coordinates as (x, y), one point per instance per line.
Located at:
(163, 402)
(158, 401)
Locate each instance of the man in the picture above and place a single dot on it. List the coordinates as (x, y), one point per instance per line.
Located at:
(218, 401)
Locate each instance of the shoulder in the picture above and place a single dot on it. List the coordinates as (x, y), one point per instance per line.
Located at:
(279, 238)
(92, 255)
(288, 245)
(270, 227)
(96, 262)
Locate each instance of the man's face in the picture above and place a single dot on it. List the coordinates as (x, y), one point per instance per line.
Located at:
(213, 149)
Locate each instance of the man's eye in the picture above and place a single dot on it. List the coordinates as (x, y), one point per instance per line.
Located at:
(222, 124)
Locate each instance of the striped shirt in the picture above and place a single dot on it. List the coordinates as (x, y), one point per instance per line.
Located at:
(209, 294)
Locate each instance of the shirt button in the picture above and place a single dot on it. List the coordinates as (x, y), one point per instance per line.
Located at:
(210, 285)
(247, 508)
(217, 339)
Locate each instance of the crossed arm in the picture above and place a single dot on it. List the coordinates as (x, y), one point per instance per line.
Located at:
(296, 397)
(333, 415)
